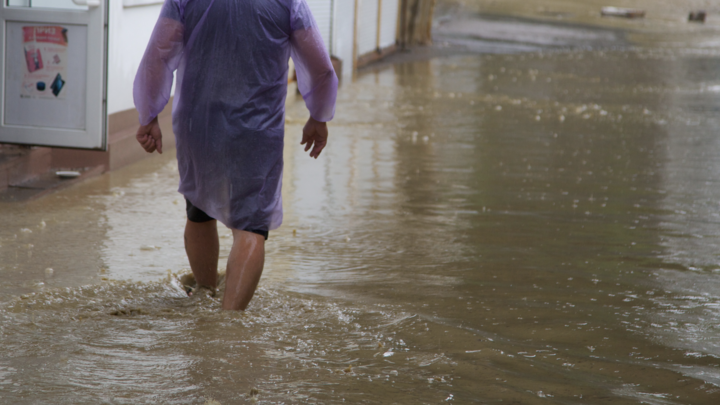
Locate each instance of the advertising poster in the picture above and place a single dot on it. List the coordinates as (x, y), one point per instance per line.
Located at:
(45, 49)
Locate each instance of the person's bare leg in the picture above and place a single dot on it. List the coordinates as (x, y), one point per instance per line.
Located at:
(245, 266)
(203, 248)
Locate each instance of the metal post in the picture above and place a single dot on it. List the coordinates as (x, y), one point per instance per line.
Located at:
(379, 27)
(403, 23)
(355, 39)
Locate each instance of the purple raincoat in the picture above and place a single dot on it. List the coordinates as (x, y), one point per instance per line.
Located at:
(231, 58)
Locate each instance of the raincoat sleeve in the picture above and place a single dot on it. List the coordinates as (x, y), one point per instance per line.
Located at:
(153, 82)
(316, 77)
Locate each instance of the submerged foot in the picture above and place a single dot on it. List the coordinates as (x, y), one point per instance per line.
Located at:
(192, 289)
(199, 291)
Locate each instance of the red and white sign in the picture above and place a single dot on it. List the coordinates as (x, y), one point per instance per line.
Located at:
(45, 59)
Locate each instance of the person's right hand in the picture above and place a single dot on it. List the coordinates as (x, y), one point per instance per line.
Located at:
(315, 134)
(150, 136)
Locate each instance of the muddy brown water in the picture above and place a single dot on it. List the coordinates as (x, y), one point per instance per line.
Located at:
(531, 228)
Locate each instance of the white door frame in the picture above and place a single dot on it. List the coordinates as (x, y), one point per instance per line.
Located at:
(91, 135)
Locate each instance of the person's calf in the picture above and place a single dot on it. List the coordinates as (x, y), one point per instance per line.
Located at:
(245, 266)
(203, 248)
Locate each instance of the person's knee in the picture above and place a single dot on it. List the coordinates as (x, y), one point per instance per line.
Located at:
(200, 232)
(201, 226)
(239, 234)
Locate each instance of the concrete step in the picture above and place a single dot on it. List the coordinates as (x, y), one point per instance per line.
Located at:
(19, 164)
(29, 172)
(44, 184)
(123, 150)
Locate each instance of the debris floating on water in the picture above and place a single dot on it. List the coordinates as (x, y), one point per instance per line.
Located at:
(67, 174)
(697, 16)
(622, 12)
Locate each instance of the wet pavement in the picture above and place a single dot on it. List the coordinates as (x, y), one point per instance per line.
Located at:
(527, 228)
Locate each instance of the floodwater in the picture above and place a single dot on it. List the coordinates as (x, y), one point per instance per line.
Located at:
(529, 228)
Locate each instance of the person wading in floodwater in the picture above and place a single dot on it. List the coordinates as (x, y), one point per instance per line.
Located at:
(228, 115)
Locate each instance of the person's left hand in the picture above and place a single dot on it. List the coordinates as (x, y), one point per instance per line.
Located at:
(150, 136)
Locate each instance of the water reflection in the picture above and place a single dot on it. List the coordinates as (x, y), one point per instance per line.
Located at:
(527, 214)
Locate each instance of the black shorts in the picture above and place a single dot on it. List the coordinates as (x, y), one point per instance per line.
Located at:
(195, 214)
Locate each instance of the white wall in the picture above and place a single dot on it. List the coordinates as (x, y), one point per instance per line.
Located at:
(388, 22)
(367, 26)
(130, 29)
(343, 35)
(129, 32)
(322, 11)
(367, 32)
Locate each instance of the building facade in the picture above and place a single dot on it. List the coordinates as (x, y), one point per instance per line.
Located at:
(107, 40)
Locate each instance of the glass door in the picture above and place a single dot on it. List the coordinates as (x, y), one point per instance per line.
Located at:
(53, 63)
